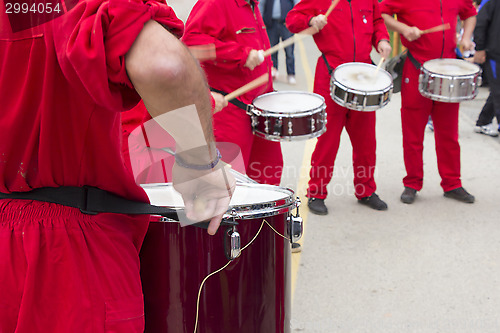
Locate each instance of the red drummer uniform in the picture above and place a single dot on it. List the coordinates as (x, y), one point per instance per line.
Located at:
(415, 108)
(62, 86)
(235, 29)
(353, 28)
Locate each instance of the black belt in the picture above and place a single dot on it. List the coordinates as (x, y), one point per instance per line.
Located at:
(90, 200)
(93, 200)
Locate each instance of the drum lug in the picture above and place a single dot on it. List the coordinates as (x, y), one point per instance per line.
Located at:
(277, 126)
(254, 121)
(295, 225)
(290, 130)
(313, 125)
(232, 243)
(266, 124)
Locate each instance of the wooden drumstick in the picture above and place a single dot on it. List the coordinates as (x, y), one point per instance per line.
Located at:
(331, 8)
(203, 52)
(378, 67)
(441, 27)
(247, 87)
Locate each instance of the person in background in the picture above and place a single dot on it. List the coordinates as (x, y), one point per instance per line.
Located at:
(352, 29)
(412, 18)
(488, 54)
(236, 29)
(274, 13)
(66, 76)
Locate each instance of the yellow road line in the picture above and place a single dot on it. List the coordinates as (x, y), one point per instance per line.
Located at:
(304, 168)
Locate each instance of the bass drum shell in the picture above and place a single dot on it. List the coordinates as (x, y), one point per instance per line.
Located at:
(252, 294)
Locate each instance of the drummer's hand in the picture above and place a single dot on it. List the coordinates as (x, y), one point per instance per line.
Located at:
(480, 57)
(318, 22)
(254, 59)
(467, 44)
(412, 33)
(206, 193)
(384, 48)
(220, 101)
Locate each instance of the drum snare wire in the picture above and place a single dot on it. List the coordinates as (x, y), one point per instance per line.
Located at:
(225, 266)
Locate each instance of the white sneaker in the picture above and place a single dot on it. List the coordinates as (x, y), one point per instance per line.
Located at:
(487, 130)
(291, 79)
(274, 73)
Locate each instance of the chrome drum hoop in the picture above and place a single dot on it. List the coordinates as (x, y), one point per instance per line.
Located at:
(304, 120)
(357, 99)
(245, 211)
(449, 88)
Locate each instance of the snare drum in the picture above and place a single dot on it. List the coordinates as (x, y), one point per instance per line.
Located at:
(359, 86)
(449, 80)
(288, 115)
(250, 295)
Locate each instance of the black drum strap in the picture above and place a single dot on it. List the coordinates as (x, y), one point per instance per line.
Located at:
(330, 69)
(234, 101)
(91, 200)
(413, 60)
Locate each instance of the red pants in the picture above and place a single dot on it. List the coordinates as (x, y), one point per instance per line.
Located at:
(262, 158)
(415, 112)
(361, 129)
(63, 271)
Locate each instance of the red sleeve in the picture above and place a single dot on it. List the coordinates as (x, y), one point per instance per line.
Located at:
(97, 36)
(205, 26)
(467, 10)
(389, 7)
(379, 28)
(298, 18)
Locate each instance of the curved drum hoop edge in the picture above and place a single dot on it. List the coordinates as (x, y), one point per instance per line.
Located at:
(247, 211)
(351, 96)
(288, 126)
(454, 84)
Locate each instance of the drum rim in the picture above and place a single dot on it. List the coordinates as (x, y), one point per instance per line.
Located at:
(300, 114)
(461, 76)
(347, 64)
(253, 210)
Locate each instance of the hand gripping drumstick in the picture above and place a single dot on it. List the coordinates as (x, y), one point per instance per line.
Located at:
(296, 37)
(441, 27)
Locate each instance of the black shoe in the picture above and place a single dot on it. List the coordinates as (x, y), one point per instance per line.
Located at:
(373, 201)
(408, 195)
(460, 194)
(296, 248)
(317, 206)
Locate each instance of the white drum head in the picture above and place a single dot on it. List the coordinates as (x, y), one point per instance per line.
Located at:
(288, 102)
(451, 67)
(248, 200)
(362, 77)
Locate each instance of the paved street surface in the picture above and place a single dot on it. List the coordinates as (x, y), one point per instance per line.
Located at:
(433, 266)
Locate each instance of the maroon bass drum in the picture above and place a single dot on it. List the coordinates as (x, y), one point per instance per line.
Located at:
(249, 295)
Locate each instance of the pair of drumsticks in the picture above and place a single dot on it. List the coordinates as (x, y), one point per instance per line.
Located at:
(297, 37)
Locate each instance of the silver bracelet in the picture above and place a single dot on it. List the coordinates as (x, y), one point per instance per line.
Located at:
(208, 166)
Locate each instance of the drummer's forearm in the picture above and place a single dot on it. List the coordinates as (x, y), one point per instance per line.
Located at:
(394, 25)
(172, 87)
(468, 25)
